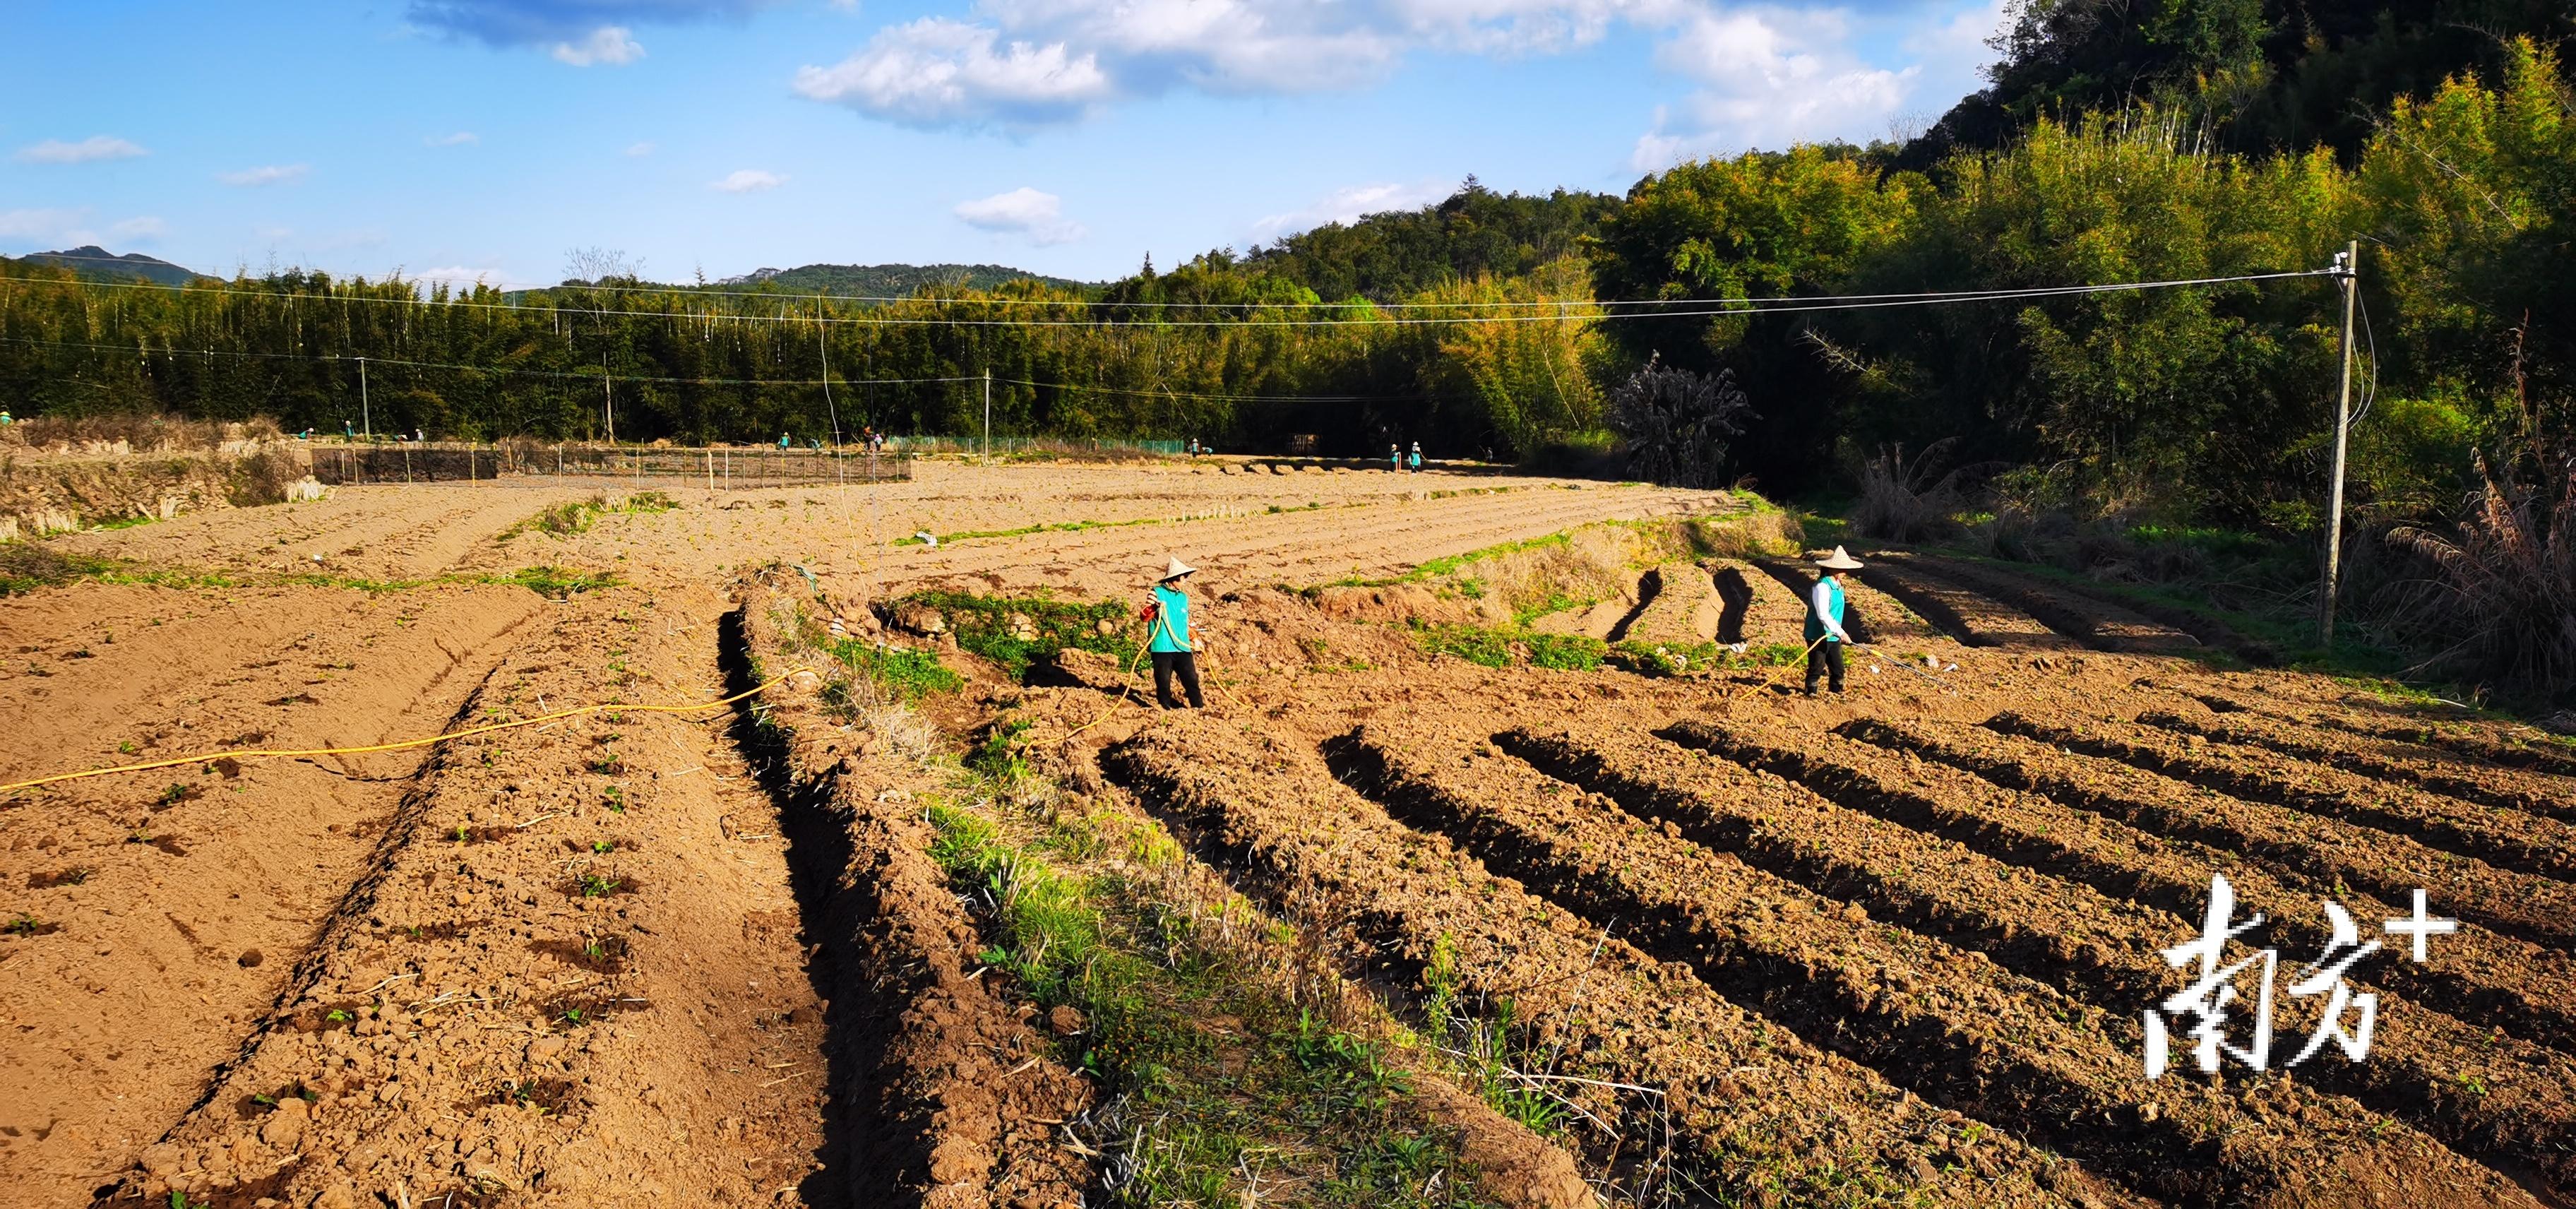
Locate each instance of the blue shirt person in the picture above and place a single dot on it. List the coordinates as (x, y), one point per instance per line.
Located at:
(1825, 633)
(1168, 615)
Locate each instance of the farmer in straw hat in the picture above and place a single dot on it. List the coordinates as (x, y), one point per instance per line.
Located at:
(1825, 633)
(1168, 616)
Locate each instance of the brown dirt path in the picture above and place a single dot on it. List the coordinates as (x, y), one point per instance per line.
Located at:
(575, 978)
(1975, 619)
(183, 898)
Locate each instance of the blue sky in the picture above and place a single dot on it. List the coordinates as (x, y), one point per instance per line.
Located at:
(456, 138)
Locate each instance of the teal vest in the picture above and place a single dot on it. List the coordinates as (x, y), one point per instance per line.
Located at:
(1833, 604)
(1172, 627)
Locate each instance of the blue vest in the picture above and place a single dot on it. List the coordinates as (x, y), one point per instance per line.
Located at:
(1172, 627)
(1833, 603)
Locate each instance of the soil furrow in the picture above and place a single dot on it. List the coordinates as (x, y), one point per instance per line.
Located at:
(2210, 631)
(2525, 844)
(1755, 1107)
(1976, 620)
(2102, 626)
(2501, 788)
(563, 984)
(2521, 1118)
(1872, 616)
(946, 1096)
(2328, 852)
(2483, 978)
(2516, 747)
(1681, 607)
(1940, 1022)
(1757, 610)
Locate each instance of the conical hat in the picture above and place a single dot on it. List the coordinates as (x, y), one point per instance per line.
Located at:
(1841, 561)
(1177, 570)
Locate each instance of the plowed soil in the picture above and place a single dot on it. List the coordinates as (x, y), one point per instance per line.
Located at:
(1892, 947)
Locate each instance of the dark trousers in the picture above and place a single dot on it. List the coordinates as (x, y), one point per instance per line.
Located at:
(1826, 658)
(1168, 664)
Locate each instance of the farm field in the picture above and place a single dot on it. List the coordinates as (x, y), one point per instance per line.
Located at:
(1546, 853)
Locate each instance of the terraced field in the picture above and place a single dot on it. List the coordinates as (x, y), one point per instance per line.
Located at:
(1386, 924)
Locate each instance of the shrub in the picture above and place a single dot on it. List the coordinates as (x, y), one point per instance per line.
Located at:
(1904, 502)
(2504, 583)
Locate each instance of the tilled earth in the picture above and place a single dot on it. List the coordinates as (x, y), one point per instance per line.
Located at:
(1896, 946)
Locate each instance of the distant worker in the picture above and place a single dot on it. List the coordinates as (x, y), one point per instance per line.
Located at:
(5, 421)
(1167, 617)
(782, 440)
(349, 429)
(1417, 457)
(1825, 633)
(1395, 457)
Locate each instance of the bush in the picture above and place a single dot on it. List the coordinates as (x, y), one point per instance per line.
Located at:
(2503, 590)
(1905, 503)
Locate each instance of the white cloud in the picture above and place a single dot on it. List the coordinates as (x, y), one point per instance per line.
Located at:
(938, 72)
(1767, 77)
(39, 226)
(141, 229)
(95, 147)
(640, 149)
(613, 45)
(461, 138)
(265, 174)
(1023, 211)
(747, 180)
(457, 277)
(1349, 204)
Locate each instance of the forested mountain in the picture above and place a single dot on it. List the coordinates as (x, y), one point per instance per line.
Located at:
(891, 280)
(2254, 75)
(1475, 233)
(97, 263)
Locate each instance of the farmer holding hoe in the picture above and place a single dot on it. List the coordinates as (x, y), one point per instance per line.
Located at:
(1167, 617)
(1825, 633)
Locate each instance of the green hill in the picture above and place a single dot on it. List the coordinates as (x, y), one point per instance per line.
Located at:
(891, 280)
(97, 263)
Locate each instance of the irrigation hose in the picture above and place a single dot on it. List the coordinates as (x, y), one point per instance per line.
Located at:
(407, 744)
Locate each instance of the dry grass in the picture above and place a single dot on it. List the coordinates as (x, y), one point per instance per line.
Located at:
(1906, 501)
(2504, 584)
(138, 432)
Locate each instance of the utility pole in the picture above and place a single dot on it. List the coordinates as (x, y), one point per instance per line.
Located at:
(365, 417)
(988, 411)
(608, 397)
(2347, 273)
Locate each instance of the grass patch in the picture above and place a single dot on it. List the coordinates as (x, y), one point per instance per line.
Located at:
(1228, 1083)
(26, 566)
(1014, 632)
(559, 583)
(906, 676)
(576, 516)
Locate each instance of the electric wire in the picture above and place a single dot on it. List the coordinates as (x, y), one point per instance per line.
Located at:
(679, 291)
(1699, 308)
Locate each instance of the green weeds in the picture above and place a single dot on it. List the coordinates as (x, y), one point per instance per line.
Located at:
(559, 583)
(906, 676)
(1014, 632)
(574, 517)
(1233, 1088)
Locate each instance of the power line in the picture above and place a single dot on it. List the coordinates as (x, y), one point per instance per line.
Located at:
(177, 352)
(1705, 308)
(1526, 304)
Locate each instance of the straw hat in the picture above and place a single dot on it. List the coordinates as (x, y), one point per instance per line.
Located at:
(1177, 570)
(1841, 561)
